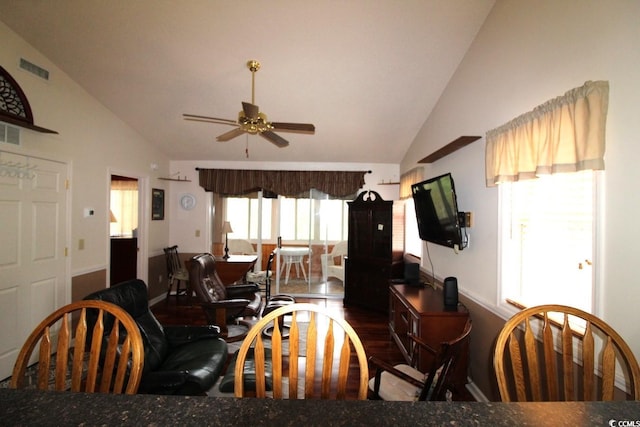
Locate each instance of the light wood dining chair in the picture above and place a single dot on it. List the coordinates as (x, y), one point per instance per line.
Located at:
(560, 353)
(113, 365)
(318, 340)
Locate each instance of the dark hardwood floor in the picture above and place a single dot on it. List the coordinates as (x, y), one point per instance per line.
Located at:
(371, 327)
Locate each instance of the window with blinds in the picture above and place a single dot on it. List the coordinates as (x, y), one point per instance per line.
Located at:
(244, 214)
(300, 219)
(548, 240)
(412, 241)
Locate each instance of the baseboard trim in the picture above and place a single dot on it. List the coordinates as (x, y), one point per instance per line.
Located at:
(157, 299)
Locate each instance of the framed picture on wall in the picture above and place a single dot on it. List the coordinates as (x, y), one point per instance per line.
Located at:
(157, 204)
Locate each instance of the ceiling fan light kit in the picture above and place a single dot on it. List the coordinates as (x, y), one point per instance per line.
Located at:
(252, 121)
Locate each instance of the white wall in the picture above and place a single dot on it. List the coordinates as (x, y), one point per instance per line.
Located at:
(525, 54)
(184, 224)
(93, 141)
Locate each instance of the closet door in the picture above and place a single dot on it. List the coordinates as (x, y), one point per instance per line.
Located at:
(33, 263)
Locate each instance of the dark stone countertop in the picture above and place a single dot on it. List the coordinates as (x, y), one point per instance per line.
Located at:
(31, 407)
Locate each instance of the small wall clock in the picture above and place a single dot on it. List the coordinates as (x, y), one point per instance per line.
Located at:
(188, 202)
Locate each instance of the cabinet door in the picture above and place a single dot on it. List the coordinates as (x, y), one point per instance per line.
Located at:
(367, 284)
(378, 286)
(381, 231)
(359, 232)
(438, 328)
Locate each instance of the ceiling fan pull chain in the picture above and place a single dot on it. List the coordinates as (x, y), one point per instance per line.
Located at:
(246, 149)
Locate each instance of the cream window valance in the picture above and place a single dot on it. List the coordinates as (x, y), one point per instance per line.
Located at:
(237, 182)
(411, 176)
(565, 134)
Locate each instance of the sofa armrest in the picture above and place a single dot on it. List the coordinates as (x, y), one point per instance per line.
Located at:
(178, 335)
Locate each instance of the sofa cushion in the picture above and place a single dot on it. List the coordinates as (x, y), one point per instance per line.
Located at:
(202, 361)
(228, 382)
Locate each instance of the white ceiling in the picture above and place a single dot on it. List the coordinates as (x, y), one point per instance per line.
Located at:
(367, 73)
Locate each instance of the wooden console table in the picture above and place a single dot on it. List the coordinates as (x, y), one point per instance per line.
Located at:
(421, 311)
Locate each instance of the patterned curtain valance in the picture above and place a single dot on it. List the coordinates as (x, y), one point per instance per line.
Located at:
(237, 182)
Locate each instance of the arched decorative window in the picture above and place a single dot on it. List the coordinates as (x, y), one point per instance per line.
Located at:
(14, 106)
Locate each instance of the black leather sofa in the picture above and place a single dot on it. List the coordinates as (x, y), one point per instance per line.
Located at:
(183, 360)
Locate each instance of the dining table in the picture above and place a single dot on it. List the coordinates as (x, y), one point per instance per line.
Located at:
(293, 256)
(234, 268)
(47, 408)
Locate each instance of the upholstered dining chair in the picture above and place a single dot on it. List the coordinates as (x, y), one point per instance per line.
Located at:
(403, 382)
(80, 361)
(317, 340)
(560, 353)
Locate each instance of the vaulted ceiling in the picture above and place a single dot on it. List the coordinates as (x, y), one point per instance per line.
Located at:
(367, 73)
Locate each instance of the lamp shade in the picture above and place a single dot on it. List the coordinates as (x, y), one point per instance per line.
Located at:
(226, 227)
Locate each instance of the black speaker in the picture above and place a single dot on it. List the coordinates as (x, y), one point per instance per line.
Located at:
(450, 292)
(412, 274)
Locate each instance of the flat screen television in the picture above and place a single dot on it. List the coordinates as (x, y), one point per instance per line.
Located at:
(437, 211)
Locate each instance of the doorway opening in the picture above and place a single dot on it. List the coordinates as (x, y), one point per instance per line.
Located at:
(307, 233)
(123, 228)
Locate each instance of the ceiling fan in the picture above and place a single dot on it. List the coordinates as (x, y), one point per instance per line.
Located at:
(252, 121)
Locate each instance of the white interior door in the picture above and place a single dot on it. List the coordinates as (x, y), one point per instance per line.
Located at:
(33, 265)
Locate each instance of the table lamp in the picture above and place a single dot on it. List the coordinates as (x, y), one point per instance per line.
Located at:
(226, 229)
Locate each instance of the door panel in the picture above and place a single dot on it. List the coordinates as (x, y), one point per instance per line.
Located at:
(33, 266)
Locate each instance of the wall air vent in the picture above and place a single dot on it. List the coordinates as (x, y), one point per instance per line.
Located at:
(9, 134)
(34, 69)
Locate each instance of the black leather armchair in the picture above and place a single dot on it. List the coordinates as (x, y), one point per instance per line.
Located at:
(223, 305)
(184, 360)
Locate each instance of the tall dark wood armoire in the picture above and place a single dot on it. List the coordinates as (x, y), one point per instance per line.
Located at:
(376, 244)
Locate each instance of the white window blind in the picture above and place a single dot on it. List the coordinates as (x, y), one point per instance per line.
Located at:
(548, 240)
(243, 214)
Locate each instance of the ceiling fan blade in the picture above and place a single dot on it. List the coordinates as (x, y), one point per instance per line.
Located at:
(294, 127)
(274, 138)
(230, 135)
(206, 119)
(250, 111)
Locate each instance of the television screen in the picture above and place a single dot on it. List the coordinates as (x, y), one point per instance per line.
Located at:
(437, 211)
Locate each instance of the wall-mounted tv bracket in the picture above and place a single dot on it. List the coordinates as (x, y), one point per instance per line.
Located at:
(465, 219)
